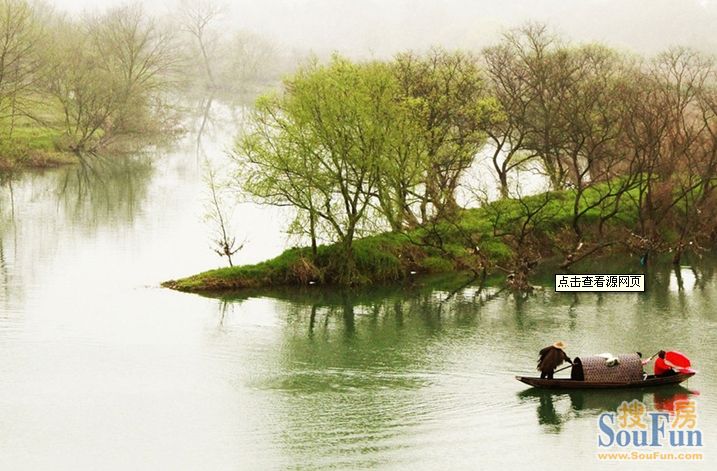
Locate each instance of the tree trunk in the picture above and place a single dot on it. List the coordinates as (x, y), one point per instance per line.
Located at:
(348, 270)
(312, 230)
(207, 65)
(504, 192)
(677, 257)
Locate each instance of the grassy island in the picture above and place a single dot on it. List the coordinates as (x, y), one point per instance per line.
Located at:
(510, 236)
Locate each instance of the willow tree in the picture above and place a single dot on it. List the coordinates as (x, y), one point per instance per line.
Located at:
(450, 108)
(318, 147)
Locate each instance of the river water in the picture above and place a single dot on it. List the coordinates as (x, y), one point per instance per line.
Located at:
(100, 368)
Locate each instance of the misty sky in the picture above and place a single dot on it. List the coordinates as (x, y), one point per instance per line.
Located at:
(380, 27)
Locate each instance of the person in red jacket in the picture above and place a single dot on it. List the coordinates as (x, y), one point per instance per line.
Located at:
(662, 368)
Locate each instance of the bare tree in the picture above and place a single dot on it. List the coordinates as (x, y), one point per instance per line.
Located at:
(671, 135)
(108, 76)
(198, 20)
(507, 126)
(545, 71)
(600, 171)
(20, 34)
(224, 243)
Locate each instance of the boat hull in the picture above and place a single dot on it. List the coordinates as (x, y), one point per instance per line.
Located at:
(558, 383)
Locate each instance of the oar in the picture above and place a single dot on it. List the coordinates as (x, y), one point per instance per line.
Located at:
(563, 368)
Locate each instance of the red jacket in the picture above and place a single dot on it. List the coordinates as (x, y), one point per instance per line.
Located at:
(661, 367)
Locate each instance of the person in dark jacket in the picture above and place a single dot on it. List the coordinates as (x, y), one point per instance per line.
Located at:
(550, 358)
(576, 372)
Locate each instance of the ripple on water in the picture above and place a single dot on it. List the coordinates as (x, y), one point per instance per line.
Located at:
(310, 381)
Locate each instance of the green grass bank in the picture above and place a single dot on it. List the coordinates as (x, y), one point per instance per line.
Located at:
(31, 146)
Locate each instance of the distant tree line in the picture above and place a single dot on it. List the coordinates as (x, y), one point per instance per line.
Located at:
(228, 63)
(627, 145)
(101, 80)
(94, 79)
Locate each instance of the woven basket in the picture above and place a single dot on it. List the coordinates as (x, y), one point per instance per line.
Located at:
(628, 369)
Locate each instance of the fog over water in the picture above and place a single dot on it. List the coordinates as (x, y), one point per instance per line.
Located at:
(382, 27)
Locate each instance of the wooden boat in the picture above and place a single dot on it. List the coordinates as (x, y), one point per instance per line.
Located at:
(594, 373)
(567, 383)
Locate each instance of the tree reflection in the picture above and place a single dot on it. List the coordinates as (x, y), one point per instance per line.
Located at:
(36, 207)
(103, 190)
(349, 369)
(7, 220)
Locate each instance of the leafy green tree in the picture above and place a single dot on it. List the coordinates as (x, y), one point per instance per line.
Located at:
(319, 146)
(404, 167)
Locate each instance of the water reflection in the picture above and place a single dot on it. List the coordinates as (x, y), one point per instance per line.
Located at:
(214, 124)
(7, 218)
(97, 190)
(356, 370)
(97, 194)
(359, 377)
(555, 408)
(104, 190)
